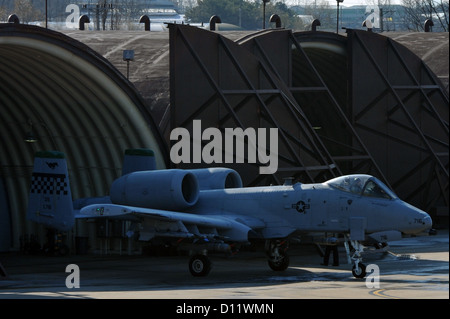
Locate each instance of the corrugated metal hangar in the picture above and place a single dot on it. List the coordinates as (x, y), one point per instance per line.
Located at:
(358, 102)
(58, 94)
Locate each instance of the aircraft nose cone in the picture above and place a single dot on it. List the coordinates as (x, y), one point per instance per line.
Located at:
(427, 222)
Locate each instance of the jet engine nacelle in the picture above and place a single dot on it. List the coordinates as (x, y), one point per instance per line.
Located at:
(170, 189)
(217, 178)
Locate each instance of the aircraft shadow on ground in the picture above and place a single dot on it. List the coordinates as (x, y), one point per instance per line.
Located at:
(144, 273)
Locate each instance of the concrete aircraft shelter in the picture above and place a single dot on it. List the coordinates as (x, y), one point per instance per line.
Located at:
(353, 102)
(70, 91)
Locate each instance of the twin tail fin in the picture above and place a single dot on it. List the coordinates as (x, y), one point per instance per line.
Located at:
(50, 201)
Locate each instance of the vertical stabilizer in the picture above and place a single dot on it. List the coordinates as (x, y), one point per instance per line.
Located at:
(138, 159)
(50, 201)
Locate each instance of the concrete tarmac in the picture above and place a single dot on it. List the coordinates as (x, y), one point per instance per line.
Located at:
(413, 268)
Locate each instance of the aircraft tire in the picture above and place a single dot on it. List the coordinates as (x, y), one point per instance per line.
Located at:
(199, 265)
(281, 264)
(360, 271)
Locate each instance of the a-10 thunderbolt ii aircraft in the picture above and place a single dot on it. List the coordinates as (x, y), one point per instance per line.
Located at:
(209, 210)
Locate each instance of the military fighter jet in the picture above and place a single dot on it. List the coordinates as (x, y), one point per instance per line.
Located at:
(209, 210)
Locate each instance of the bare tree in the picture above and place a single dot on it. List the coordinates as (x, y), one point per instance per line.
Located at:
(25, 11)
(2, 13)
(417, 11)
(442, 14)
(322, 11)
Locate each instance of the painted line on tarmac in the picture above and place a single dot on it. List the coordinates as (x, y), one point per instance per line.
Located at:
(381, 293)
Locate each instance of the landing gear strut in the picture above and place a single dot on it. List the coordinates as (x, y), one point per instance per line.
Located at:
(278, 259)
(359, 269)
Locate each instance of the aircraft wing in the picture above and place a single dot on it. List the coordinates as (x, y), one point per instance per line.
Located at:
(163, 223)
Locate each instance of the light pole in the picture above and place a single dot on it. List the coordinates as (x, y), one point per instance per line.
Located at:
(337, 22)
(128, 55)
(264, 13)
(46, 14)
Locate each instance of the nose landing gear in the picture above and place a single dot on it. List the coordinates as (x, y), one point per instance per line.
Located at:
(359, 269)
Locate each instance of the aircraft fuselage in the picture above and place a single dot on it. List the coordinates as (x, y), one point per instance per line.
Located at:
(312, 207)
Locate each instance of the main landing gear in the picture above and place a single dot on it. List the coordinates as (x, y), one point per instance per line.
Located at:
(278, 259)
(200, 265)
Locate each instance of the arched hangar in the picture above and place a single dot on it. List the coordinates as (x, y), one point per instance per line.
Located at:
(58, 94)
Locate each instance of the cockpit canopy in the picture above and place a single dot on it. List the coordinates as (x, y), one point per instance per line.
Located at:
(364, 185)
